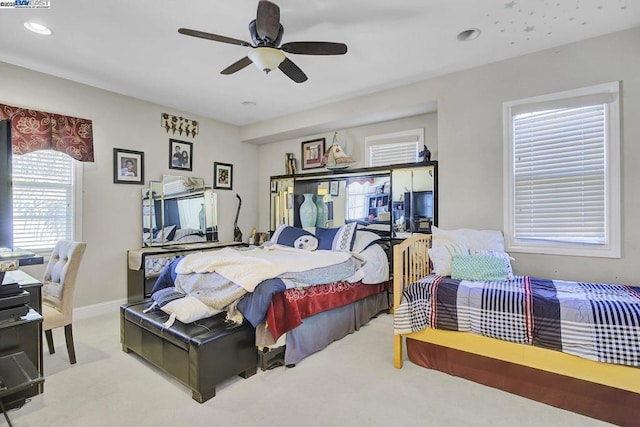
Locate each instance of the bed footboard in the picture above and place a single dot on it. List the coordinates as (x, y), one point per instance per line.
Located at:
(410, 263)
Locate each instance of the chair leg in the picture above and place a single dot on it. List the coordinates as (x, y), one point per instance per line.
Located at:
(68, 335)
(49, 336)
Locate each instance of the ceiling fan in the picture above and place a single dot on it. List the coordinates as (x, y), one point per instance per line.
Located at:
(266, 52)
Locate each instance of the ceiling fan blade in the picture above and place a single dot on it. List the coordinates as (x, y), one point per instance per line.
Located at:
(214, 37)
(268, 20)
(236, 66)
(315, 48)
(292, 70)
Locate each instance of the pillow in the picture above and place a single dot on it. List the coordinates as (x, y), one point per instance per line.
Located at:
(337, 239)
(187, 310)
(442, 252)
(478, 267)
(183, 232)
(487, 240)
(363, 240)
(295, 237)
(506, 259)
(169, 232)
(164, 296)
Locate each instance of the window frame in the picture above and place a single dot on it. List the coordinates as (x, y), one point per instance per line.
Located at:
(76, 205)
(393, 138)
(612, 222)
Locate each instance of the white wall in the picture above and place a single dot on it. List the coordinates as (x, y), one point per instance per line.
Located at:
(470, 146)
(112, 219)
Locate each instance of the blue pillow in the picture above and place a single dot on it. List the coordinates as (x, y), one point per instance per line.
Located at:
(295, 237)
(337, 239)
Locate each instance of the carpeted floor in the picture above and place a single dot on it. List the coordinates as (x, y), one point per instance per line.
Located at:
(350, 383)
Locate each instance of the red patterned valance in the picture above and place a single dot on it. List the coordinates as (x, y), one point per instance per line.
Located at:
(33, 130)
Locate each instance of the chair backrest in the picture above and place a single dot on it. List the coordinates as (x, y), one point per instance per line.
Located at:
(59, 279)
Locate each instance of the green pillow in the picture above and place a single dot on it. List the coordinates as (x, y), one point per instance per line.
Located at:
(478, 267)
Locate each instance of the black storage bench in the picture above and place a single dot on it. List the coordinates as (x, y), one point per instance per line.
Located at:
(199, 354)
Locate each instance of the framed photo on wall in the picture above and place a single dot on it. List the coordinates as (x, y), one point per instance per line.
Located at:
(312, 152)
(180, 155)
(128, 166)
(222, 176)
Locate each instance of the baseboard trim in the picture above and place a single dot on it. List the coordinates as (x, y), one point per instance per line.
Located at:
(99, 309)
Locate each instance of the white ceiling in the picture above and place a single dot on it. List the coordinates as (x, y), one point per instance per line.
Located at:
(133, 47)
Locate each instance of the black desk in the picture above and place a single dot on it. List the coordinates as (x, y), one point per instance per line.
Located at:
(18, 374)
(24, 334)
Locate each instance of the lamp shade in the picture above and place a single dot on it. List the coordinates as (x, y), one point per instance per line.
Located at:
(266, 58)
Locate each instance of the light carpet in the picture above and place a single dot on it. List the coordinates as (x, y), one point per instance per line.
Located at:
(350, 383)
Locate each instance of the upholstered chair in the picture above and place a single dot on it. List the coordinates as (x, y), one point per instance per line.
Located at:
(58, 287)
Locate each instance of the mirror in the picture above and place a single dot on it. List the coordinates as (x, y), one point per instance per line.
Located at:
(343, 198)
(178, 210)
(386, 200)
(281, 202)
(413, 204)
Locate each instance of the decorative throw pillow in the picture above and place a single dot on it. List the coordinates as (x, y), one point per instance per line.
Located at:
(363, 240)
(294, 237)
(506, 259)
(478, 267)
(442, 252)
(488, 240)
(337, 239)
(187, 310)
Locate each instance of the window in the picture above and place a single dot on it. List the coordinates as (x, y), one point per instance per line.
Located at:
(562, 163)
(46, 199)
(394, 148)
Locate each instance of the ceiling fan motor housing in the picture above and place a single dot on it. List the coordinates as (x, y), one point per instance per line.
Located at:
(260, 42)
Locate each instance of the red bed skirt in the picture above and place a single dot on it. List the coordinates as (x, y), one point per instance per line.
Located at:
(288, 308)
(594, 400)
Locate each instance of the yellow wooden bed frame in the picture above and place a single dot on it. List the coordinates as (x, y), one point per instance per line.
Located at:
(410, 263)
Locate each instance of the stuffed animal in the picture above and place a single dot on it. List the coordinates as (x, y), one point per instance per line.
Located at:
(306, 242)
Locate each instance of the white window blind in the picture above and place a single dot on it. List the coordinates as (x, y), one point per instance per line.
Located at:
(560, 172)
(562, 163)
(393, 153)
(43, 199)
(394, 148)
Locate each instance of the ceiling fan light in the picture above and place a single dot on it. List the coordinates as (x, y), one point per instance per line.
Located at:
(266, 58)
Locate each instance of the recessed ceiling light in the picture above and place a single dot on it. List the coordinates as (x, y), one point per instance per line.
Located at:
(38, 28)
(468, 35)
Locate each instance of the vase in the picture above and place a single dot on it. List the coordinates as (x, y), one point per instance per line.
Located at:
(321, 208)
(308, 211)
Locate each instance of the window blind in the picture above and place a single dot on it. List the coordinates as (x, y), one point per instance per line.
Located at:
(560, 175)
(42, 199)
(393, 153)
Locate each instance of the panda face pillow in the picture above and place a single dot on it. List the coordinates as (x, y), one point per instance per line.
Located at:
(307, 242)
(295, 238)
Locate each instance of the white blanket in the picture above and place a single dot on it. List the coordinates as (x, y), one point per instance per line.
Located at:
(248, 268)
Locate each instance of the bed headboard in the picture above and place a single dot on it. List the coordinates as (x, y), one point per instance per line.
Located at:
(410, 263)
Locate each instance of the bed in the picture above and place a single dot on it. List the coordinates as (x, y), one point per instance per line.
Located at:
(299, 307)
(557, 359)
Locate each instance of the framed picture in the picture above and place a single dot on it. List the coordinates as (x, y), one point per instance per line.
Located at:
(180, 155)
(312, 152)
(274, 186)
(128, 166)
(222, 176)
(334, 188)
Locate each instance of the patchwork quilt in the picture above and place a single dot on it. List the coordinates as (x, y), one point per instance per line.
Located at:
(597, 321)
